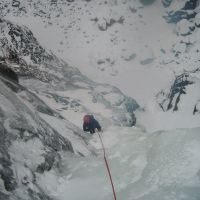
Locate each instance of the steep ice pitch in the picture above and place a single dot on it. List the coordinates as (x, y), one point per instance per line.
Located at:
(161, 165)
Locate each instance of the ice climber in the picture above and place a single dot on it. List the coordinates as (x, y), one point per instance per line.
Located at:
(90, 124)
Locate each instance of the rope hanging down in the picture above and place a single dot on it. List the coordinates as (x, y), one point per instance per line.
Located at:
(108, 168)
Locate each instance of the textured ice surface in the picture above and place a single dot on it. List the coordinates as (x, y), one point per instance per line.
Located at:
(160, 165)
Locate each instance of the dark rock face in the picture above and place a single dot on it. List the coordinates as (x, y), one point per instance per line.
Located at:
(23, 40)
(18, 42)
(8, 72)
(178, 88)
(167, 3)
(187, 12)
(147, 2)
(110, 23)
(174, 17)
(196, 108)
(19, 126)
(190, 5)
(6, 171)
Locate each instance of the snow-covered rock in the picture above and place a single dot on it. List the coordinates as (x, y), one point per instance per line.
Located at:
(19, 46)
(56, 75)
(197, 20)
(183, 10)
(197, 108)
(184, 27)
(183, 95)
(167, 3)
(29, 146)
(179, 48)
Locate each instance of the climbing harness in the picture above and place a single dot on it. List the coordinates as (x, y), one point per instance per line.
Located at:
(108, 168)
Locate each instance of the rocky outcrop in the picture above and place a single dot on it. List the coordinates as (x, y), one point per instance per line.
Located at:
(147, 2)
(28, 145)
(19, 46)
(123, 107)
(183, 95)
(197, 20)
(173, 98)
(190, 4)
(106, 23)
(167, 3)
(187, 12)
(197, 108)
(174, 17)
(8, 72)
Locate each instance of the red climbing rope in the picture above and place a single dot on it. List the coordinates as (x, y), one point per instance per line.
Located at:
(108, 168)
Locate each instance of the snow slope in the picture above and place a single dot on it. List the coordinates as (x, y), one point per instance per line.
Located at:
(124, 51)
(119, 41)
(54, 80)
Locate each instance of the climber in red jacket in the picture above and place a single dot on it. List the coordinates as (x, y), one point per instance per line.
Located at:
(90, 124)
